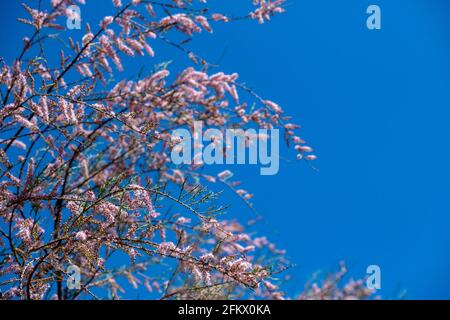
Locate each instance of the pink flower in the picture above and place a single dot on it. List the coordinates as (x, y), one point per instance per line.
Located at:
(44, 108)
(203, 22)
(166, 248)
(183, 220)
(267, 8)
(303, 148)
(26, 123)
(273, 106)
(225, 175)
(219, 17)
(19, 144)
(81, 236)
(106, 21)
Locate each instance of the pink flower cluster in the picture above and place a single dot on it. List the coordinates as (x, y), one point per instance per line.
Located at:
(85, 161)
(266, 9)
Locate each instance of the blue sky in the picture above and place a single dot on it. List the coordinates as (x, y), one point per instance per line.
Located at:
(374, 105)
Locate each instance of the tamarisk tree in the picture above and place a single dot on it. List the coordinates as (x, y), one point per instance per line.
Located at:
(90, 203)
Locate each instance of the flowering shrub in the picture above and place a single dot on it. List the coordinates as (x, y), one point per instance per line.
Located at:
(85, 163)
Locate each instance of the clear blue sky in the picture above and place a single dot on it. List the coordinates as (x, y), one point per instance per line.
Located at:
(374, 105)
